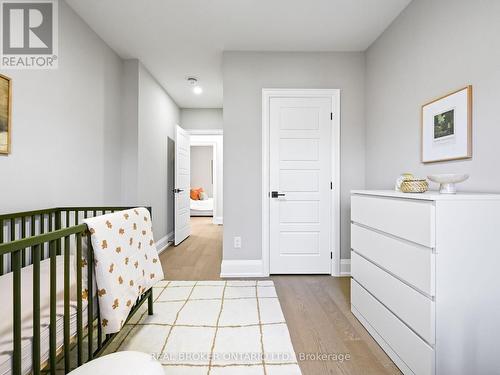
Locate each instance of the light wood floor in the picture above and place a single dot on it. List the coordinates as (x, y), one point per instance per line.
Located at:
(316, 308)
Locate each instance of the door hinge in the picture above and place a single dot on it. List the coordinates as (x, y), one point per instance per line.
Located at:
(331, 115)
(331, 185)
(331, 254)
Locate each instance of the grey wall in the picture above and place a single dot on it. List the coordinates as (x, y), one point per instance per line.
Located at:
(158, 115)
(147, 145)
(201, 118)
(130, 131)
(65, 126)
(201, 168)
(97, 130)
(244, 75)
(433, 48)
(148, 134)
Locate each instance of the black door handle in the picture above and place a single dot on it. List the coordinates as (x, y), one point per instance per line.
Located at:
(177, 190)
(275, 194)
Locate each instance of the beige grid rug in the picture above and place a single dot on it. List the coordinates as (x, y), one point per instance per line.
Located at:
(214, 327)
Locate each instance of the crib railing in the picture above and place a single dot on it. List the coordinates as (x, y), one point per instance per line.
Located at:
(19, 225)
(47, 240)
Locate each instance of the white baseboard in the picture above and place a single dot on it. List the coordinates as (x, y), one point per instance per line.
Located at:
(217, 220)
(345, 267)
(242, 268)
(255, 268)
(164, 242)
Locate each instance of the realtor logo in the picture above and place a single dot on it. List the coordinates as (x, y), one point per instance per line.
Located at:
(29, 34)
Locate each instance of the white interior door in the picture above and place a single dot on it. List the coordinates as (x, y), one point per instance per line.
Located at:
(300, 185)
(182, 185)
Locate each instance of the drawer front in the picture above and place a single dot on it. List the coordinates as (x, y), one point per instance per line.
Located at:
(410, 306)
(405, 218)
(416, 354)
(412, 263)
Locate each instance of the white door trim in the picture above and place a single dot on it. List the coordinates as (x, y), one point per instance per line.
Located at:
(334, 94)
(205, 131)
(209, 141)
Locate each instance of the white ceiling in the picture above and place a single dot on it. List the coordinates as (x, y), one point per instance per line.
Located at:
(177, 39)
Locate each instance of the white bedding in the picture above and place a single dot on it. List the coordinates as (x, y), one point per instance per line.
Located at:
(202, 207)
(6, 322)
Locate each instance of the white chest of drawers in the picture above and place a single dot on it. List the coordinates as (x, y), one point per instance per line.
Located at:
(426, 279)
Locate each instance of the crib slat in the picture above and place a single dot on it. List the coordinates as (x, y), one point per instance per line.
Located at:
(99, 328)
(67, 364)
(42, 223)
(16, 267)
(79, 323)
(150, 302)
(50, 221)
(76, 217)
(52, 327)
(42, 231)
(32, 229)
(50, 228)
(12, 229)
(23, 235)
(35, 256)
(1, 241)
(57, 218)
(90, 309)
(12, 235)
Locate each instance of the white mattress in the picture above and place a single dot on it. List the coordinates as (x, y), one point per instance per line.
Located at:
(202, 207)
(6, 323)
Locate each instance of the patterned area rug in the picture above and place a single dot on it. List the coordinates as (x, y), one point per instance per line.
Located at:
(214, 327)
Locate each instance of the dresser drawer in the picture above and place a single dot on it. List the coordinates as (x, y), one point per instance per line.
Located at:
(409, 219)
(410, 306)
(412, 263)
(415, 353)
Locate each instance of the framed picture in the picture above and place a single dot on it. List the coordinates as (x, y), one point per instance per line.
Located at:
(447, 127)
(5, 113)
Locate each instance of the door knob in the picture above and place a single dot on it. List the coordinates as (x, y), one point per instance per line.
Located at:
(275, 194)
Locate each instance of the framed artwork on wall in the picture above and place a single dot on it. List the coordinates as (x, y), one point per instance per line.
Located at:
(447, 127)
(5, 113)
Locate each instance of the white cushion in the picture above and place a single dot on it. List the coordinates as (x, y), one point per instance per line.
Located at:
(121, 363)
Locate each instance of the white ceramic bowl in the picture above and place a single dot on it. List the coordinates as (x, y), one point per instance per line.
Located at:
(447, 181)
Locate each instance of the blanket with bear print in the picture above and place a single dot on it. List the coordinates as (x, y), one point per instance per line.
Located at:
(126, 262)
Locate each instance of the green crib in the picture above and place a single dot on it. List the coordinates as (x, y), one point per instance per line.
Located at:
(27, 239)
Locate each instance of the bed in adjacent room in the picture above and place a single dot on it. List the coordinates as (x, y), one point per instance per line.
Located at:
(203, 207)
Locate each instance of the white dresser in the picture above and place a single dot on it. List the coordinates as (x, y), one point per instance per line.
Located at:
(426, 279)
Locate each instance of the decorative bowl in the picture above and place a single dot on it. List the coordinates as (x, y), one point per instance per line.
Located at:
(414, 186)
(403, 177)
(447, 181)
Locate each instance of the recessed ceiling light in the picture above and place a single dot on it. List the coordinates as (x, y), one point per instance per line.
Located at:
(194, 82)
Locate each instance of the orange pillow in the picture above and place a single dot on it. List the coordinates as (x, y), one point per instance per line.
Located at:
(195, 194)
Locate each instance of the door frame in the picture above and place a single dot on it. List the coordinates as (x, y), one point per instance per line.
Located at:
(216, 168)
(334, 94)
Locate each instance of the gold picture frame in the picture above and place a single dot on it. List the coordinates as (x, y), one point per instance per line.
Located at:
(5, 114)
(446, 122)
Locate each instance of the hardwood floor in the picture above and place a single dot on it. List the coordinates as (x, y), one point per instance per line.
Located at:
(199, 256)
(316, 308)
